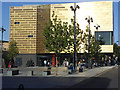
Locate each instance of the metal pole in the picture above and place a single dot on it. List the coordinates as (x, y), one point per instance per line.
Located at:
(74, 37)
(97, 26)
(97, 44)
(89, 19)
(1, 49)
(2, 29)
(89, 45)
(74, 9)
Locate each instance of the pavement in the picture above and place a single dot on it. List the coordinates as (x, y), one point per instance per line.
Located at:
(62, 72)
(61, 80)
(87, 72)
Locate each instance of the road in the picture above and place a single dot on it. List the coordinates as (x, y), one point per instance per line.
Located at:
(107, 79)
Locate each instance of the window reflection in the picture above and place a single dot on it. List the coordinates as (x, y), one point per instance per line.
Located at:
(105, 38)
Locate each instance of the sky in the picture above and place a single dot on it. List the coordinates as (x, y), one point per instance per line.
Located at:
(5, 4)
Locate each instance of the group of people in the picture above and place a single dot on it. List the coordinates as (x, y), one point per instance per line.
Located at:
(49, 63)
(104, 61)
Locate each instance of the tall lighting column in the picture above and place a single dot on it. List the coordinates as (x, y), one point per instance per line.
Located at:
(89, 20)
(97, 26)
(74, 9)
(2, 29)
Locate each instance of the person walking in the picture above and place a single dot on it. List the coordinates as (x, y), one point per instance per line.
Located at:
(9, 66)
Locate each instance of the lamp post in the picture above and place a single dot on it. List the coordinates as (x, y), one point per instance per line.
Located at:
(97, 26)
(74, 9)
(89, 20)
(2, 29)
(117, 42)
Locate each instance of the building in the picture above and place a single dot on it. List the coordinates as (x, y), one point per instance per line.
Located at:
(5, 45)
(27, 24)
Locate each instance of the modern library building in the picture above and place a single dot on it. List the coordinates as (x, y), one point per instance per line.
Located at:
(27, 24)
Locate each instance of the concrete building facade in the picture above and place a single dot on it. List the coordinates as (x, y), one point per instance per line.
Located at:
(27, 24)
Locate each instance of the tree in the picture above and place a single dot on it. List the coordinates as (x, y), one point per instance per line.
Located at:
(95, 48)
(12, 51)
(117, 51)
(60, 36)
(79, 37)
(56, 35)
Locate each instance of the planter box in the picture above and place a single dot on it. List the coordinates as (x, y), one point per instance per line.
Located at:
(15, 72)
(45, 73)
(29, 73)
(9, 73)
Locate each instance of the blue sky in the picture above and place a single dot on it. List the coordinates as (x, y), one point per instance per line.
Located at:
(5, 4)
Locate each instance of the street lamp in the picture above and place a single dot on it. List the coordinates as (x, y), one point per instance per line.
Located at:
(2, 29)
(97, 26)
(117, 42)
(74, 9)
(89, 19)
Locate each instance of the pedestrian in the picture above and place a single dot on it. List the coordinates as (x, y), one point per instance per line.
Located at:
(116, 60)
(79, 64)
(9, 65)
(48, 63)
(110, 61)
(57, 63)
(67, 63)
(45, 62)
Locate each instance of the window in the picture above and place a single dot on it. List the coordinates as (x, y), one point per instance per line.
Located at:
(30, 35)
(59, 7)
(16, 22)
(18, 61)
(105, 38)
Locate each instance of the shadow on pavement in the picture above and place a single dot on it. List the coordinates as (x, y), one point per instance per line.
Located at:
(94, 83)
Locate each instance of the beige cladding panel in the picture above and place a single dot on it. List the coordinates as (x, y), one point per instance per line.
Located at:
(101, 12)
(43, 18)
(27, 26)
(107, 48)
(62, 11)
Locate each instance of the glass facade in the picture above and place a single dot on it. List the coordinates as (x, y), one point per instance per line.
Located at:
(105, 38)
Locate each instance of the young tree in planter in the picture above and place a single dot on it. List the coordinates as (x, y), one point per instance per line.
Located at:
(117, 51)
(56, 35)
(95, 48)
(79, 37)
(12, 51)
(60, 36)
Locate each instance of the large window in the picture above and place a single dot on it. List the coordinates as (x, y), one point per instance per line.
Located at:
(105, 38)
